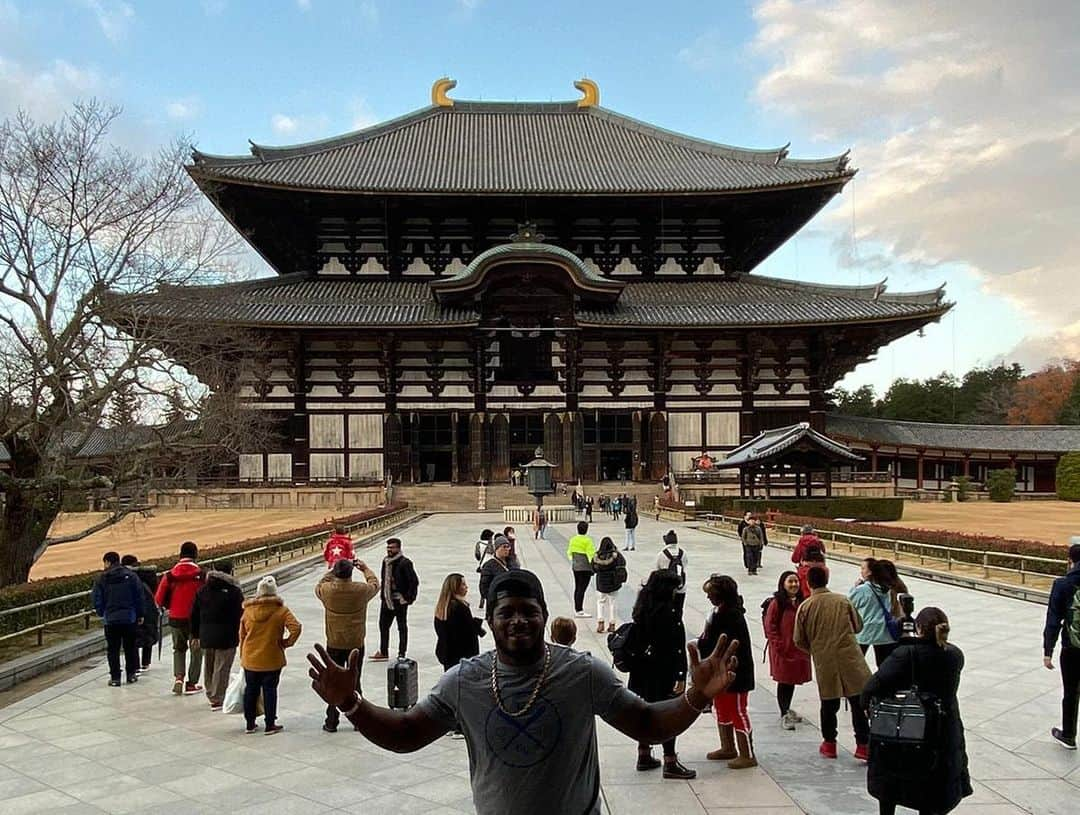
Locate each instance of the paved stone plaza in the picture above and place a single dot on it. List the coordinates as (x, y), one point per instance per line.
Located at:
(84, 747)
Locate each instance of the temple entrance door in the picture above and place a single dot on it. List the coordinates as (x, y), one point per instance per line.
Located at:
(435, 446)
(612, 462)
(435, 465)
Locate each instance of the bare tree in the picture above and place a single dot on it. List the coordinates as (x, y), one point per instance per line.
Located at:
(85, 228)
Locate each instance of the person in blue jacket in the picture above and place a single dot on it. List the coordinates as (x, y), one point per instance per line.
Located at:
(118, 600)
(1063, 619)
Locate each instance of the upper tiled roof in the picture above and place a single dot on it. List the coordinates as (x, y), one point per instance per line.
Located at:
(512, 148)
(994, 438)
(772, 443)
(295, 300)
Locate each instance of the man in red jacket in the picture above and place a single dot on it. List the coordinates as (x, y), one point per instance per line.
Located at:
(176, 593)
(339, 547)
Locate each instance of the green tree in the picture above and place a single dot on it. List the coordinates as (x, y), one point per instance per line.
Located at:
(1068, 477)
(859, 402)
(985, 394)
(927, 400)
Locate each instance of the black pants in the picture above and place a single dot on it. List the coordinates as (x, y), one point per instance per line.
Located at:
(399, 612)
(341, 657)
(147, 652)
(881, 652)
(829, 709)
(581, 582)
(751, 556)
(1070, 680)
(119, 635)
(784, 694)
(669, 748)
(266, 683)
(887, 808)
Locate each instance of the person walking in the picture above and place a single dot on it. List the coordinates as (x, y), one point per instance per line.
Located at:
(581, 551)
(338, 547)
(588, 509)
(673, 559)
(825, 627)
(872, 603)
(511, 535)
(1063, 622)
(267, 628)
(176, 593)
(630, 522)
(896, 775)
(527, 709)
(732, 707)
(345, 603)
(753, 540)
(609, 566)
(118, 600)
(496, 565)
(788, 665)
(148, 631)
(745, 522)
(658, 637)
(399, 586)
(215, 628)
(539, 530)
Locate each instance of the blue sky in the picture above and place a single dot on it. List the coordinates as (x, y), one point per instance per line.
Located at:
(825, 76)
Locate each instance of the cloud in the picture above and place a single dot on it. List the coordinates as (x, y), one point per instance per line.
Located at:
(46, 93)
(313, 126)
(283, 124)
(303, 5)
(181, 109)
(965, 118)
(704, 53)
(114, 17)
(362, 115)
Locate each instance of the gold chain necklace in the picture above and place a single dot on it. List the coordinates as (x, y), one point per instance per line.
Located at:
(532, 696)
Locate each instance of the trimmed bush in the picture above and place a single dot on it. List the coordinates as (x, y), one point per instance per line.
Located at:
(1067, 482)
(1001, 484)
(963, 487)
(861, 509)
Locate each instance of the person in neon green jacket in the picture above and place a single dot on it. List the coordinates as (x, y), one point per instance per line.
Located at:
(580, 552)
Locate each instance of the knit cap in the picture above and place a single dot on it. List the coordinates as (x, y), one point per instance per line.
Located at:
(267, 587)
(670, 539)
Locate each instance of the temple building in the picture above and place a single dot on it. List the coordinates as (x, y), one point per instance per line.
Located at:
(461, 284)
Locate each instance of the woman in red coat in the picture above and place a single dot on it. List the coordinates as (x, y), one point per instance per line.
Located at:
(788, 665)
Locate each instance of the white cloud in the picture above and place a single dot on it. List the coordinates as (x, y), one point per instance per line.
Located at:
(303, 5)
(181, 109)
(113, 16)
(965, 121)
(283, 124)
(312, 126)
(362, 115)
(46, 93)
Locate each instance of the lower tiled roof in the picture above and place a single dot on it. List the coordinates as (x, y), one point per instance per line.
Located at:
(993, 438)
(772, 443)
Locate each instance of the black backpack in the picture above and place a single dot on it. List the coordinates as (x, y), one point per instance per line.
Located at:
(675, 565)
(909, 720)
(620, 644)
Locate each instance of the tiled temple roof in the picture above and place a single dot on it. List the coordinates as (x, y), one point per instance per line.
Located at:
(994, 438)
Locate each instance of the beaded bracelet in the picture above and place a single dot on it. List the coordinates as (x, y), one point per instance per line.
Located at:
(691, 705)
(357, 699)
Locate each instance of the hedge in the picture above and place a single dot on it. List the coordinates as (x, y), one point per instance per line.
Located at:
(945, 537)
(37, 590)
(862, 509)
(1067, 481)
(1001, 484)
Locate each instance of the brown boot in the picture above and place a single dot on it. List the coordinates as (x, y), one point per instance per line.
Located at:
(600, 627)
(727, 744)
(746, 758)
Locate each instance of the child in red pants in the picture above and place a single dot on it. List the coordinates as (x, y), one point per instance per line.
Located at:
(732, 709)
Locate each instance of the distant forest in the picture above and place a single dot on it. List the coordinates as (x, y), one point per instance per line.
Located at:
(999, 395)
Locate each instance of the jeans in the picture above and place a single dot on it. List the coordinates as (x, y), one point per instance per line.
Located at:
(266, 683)
(784, 694)
(581, 583)
(217, 662)
(829, 709)
(631, 539)
(119, 635)
(341, 657)
(606, 606)
(181, 633)
(1070, 681)
(399, 612)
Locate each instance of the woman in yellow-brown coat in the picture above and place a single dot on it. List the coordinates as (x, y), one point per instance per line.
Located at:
(266, 630)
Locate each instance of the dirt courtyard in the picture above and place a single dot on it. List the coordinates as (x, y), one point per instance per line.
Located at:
(1049, 521)
(162, 534)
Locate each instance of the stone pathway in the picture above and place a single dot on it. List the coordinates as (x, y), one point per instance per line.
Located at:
(81, 746)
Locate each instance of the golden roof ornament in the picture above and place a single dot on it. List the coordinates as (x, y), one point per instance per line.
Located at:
(442, 86)
(591, 91)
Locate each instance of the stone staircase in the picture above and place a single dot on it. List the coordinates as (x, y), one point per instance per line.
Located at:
(466, 497)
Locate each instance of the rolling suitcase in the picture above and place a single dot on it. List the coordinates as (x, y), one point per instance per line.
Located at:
(402, 683)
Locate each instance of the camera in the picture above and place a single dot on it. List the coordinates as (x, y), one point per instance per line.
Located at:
(907, 622)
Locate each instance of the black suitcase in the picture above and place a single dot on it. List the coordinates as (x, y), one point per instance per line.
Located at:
(402, 683)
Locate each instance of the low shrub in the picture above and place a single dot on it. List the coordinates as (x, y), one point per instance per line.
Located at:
(1067, 480)
(963, 487)
(1002, 548)
(1001, 484)
(859, 508)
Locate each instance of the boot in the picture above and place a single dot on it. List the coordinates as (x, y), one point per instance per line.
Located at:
(645, 760)
(746, 759)
(727, 744)
(675, 770)
(600, 627)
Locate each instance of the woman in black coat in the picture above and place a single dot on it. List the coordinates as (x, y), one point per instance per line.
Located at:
(894, 777)
(658, 640)
(457, 631)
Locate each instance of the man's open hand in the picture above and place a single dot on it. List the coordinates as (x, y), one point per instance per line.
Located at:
(333, 683)
(714, 674)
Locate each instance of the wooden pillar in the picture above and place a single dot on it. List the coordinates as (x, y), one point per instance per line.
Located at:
(742, 482)
(635, 467)
(500, 442)
(809, 483)
(798, 483)
(967, 464)
(768, 482)
(553, 446)
(873, 459)
(392, 443)
(479, 453)
(828, 480)
(455, 457)
(569, 427)
(658, 445)
(747, 372)
(414, 447)
(919, 470)
(300, 433)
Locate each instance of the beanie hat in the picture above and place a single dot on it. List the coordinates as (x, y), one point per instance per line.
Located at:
(499, 540)
(807, 529)
(670, 539)
(342, 568)
(267, 587)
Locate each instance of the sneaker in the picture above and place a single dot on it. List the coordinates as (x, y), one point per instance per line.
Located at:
(329, 728)
(828, 749)
(216, 705)
(1063, 740)
(582, 614)
(178, 686)
(114, 683)
(131, 680)
(251, 728)
(862, 752)
(378, 656)
(457, 735)
(191, 688)
(787, 722)
(795, 717)
(271, 729)
(675, 770)
(144, 669)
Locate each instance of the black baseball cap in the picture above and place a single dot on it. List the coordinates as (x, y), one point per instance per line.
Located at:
(516, 583)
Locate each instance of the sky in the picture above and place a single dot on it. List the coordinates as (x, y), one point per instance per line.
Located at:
(963, 116)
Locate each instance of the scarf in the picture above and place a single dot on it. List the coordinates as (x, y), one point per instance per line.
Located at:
(388, 592)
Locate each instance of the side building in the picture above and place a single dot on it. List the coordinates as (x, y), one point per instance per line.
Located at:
(459, 285)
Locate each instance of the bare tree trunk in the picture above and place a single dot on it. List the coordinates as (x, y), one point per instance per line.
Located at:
(28, 514)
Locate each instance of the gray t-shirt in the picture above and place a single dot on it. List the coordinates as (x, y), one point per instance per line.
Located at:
(545, 761)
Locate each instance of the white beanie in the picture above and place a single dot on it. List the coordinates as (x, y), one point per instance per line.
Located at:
(267, 587)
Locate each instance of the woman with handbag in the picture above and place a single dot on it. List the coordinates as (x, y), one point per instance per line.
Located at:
(873, 603)
(929, 775)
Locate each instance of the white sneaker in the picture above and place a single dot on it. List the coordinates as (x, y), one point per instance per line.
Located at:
(582, 614)
(795, 717)
(787, 722)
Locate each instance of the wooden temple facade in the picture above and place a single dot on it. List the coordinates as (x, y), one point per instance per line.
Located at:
(461, 284)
